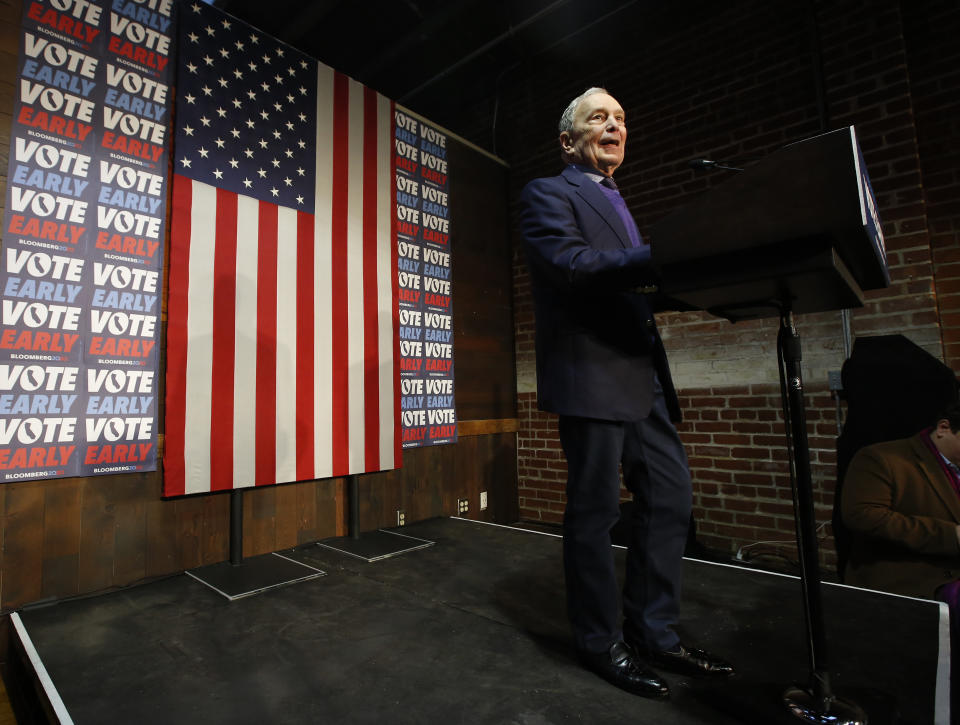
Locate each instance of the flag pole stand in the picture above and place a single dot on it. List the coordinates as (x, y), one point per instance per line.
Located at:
(369, 546)
(814, 704)
(236, 528)
(238, 577)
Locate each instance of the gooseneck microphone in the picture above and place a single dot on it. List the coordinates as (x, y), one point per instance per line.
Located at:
(700, 164)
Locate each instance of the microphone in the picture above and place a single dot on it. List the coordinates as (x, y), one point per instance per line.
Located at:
(700, 164)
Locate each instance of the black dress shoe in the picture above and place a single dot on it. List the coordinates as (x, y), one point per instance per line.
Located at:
(689, 661)
(620, 667)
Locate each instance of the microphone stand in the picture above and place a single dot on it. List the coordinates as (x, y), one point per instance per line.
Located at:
(815, 704)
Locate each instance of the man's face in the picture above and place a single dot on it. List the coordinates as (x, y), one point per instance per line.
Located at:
(946, 441)
(599, 134)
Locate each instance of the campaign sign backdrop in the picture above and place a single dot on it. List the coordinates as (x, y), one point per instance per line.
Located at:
(427, 411)
(83, 236)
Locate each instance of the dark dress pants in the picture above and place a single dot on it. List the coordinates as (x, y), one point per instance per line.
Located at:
(655, 471)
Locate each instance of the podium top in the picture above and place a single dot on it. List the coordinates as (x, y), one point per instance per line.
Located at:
(804, 199)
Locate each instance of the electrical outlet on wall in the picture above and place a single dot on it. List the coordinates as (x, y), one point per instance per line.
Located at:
(401, 517)
(483, 500)
(463, 506)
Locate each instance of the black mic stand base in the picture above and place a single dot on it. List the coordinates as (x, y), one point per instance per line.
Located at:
(806, 707)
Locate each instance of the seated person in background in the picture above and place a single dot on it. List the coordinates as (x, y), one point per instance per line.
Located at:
(901, 503)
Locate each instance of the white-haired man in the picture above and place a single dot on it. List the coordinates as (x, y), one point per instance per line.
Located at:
(602, 367)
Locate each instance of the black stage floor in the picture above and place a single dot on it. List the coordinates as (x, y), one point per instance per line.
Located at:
(471, 630)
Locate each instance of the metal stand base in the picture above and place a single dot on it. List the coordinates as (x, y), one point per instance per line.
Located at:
(808, 708)
(375, 545)
(256, 574)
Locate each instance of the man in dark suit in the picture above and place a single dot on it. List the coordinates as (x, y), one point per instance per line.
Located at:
(601, 366)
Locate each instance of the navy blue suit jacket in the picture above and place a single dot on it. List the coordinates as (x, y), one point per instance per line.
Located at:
(597, 344)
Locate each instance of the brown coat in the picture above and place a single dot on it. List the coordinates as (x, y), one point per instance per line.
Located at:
(902, 512)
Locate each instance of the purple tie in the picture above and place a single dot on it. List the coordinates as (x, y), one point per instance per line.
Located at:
(609, 189)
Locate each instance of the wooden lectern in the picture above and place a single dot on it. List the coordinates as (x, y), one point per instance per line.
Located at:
(796, 232)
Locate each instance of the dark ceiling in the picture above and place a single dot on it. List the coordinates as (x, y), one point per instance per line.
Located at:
(439, 58)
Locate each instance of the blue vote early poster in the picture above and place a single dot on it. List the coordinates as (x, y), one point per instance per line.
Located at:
(427, 411)
(83, 239)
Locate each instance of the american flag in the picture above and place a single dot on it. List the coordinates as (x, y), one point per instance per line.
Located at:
(283, 288)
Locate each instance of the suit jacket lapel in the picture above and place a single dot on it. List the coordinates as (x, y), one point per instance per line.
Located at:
(936, 477)
(588, 191)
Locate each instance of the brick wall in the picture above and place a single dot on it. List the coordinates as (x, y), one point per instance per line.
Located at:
(736, 81)
(736, 443)
(933, 56)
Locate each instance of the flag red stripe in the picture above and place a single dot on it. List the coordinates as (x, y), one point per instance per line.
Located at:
(304, 361)
(224, 341)
(266, 431)
(174, 479)
(371, 351)
(340, 407)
